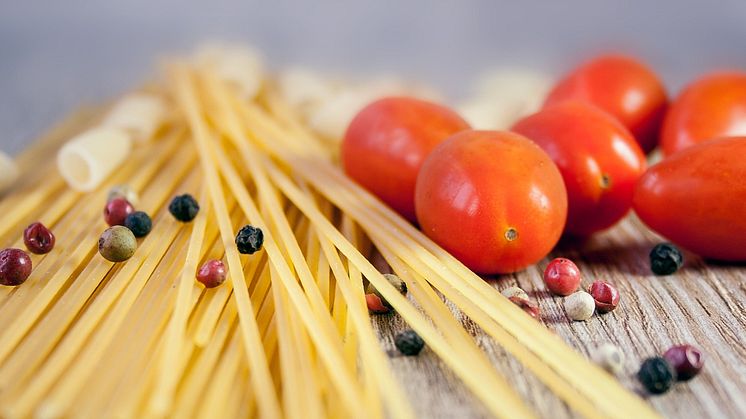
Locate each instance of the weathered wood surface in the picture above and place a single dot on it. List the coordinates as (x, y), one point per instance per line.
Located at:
(703, 304)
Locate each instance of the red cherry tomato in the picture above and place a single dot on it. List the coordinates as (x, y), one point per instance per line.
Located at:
(621, 86)
(493, 199)
(387, 141)
(598, 158)
(697, 199)
(711, 107)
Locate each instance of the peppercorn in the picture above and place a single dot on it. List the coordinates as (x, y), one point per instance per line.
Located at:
(656, 375)
(376, 302)
(526, 305)
(184, 208)
(579, 306)
(116, 211)
(514, 292)
(38, 238)
(562, 276)
(609, 357)
(139, 222)
(665, 259)
(249, 239)
(409, 342)
(212, 273)
(686, 360)
(15, 267)
(117, 244)
(123, 191)
(605, 296)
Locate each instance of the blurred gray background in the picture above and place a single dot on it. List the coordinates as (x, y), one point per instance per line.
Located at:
(56, 55)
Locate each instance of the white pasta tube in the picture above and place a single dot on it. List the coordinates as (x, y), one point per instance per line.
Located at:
(241, 66)
(8, 172)
(140, 114)
(86, 160)
(303, 89)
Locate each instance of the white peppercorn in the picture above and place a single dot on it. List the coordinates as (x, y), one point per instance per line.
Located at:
(580, 306)
(514, 292)
(609, 357)
(123, 191)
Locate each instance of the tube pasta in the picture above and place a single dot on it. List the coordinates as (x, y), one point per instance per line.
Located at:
(8, 172)
(86, 160)
(139, 114)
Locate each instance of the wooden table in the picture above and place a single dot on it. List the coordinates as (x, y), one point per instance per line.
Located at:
(703, 304)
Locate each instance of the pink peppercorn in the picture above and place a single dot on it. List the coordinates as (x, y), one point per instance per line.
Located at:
(605, 295)
(15, 267)
(526, 305)
(116, 211)
(212, 273)
(376, 305)
(38, 238)
(686, 360)
(562, 277)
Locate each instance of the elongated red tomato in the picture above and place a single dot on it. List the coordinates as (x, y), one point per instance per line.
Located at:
(598, 158)
(622, 86)
(711, 107)
(387, 141)
(493, 199)
(697, 199)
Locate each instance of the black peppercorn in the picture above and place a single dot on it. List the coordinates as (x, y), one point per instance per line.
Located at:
(409, 342)
(249, 239)
(139, 222)
(665, 259)
(657, 375)
(184, 208)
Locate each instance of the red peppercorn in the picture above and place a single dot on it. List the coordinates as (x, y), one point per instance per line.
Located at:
(686, 360)
(562, 277)
(605, 295)
(212, 273)
(527, 305)
(38, 238)
(376, 305)
(15, 267)
(116, 211)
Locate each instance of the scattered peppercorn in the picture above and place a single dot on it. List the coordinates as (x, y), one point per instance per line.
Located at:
(139, 222)
(117, 244)
(665, 259)
(605, 295)
(526, 305)
(376, 302)
(184, 208)
(514, 292)
(116, 211)
(656, 375)
(580, 306)
(686, 360)
(562, 276)
(609, 357)
(249, 239)
(409, 342)
(123, 191)
(212, 273)
(38, 238)
(15, 267)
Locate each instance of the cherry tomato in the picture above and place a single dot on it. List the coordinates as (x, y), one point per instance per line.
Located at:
(387, 141)
(598, 158)
(621, 86)
(697, 199)
(493, 199)
(713, 106)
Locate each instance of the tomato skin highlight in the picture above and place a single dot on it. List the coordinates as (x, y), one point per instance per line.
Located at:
(710, 107)
(697, 199)
(387, 141)
(599, 160)
(492, 199)
(622, 86)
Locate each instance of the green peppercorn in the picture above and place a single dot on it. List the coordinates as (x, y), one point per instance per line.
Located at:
(656, 375)
(409, 342)
(665, 259)
(117, 244)
(139, 222)
(249, 240)
(184, 208)
(394, 280)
